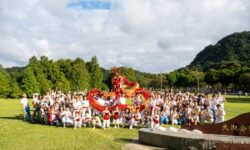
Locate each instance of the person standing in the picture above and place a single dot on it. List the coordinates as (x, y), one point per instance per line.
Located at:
(116, 117)
(25, 107)
(106, 118)
(219, 114)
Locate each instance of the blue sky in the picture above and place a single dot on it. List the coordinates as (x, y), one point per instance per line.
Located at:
(89, 4)
(148, 35)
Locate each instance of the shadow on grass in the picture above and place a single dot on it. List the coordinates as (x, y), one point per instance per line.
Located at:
(238, 100)
(20, 118)
(16, 117)
(123, 140)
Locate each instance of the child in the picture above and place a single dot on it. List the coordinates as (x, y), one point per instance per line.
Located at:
(136, 118)
(106, 118)
(155, 120)
(87, 119)
(146, 119)
(116, 118)
(96, 121)
(77, 120)
(219, 114)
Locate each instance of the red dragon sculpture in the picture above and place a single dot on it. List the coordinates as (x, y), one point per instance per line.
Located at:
(120, 85)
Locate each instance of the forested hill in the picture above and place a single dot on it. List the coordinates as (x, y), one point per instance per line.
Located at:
(232, 52)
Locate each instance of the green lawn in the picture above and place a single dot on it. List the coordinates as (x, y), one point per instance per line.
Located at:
(236, 105)
(16, 134)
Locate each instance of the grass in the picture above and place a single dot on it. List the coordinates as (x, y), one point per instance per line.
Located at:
(236, 105)
(16, 134)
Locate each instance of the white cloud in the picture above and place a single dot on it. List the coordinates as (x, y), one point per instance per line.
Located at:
(149, 35)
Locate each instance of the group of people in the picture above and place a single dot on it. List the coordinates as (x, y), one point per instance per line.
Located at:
(73, 109)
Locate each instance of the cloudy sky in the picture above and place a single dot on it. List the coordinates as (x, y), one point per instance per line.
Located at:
(148, 35)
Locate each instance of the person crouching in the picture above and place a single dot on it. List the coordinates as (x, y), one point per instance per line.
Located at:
(136, 118)
(96, 122)
(155, 120)
(77, 120)
(66, 117)
(87, 119)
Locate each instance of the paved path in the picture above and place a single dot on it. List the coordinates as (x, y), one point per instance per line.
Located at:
(135, 145)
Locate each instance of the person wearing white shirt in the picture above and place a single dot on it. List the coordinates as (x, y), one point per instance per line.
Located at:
(206, 115)
(76, 106)
(66, 117)
(159, 102)
(152, 105)
(138, 101)
(101, 101)
(85, 106)
(25, 107)
(122, 100)
(219, 114)
(213, 102)
(221, 100)
(136, 118)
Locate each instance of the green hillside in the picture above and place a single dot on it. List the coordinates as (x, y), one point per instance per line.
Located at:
(231, 52)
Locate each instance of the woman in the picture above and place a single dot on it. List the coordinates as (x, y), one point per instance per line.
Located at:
(126, 117)
(25, 107)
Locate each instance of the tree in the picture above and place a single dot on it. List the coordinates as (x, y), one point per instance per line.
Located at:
(15, 90)
(79, 76)
(226, 77)
(62, 83)
(44, 84)
(96, 75)
(29, 84)
(212, 77)
(65, 66)
(171, 78)
(244, 81)
(4, 82)
(184, 80)
(128, 72)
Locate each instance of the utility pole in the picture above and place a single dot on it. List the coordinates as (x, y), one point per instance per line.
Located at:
(198, 82)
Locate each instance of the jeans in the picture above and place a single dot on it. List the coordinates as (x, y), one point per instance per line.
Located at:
(164, 120)
(26, 113)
